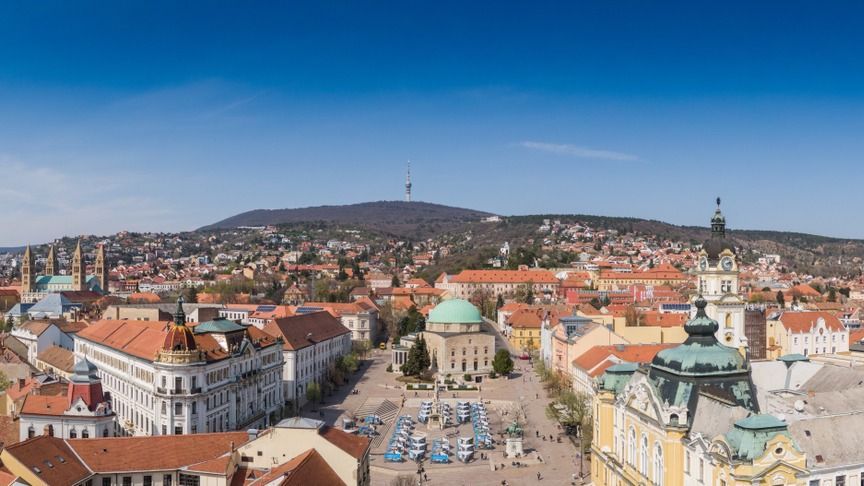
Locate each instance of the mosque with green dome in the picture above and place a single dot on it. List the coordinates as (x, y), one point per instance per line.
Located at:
(457, 338)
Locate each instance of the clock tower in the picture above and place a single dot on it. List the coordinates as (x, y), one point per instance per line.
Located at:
(717, 271)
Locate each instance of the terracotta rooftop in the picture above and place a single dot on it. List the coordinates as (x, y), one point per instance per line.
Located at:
(51, 460)
(800, 322)
(122, 454)
(355, 445)
(505, 276)
(60, 358)
(306, 469)
(304, 330)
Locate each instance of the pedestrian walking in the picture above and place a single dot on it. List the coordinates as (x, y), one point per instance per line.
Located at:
(538, 475)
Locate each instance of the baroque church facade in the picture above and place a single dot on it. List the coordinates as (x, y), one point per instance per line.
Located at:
(36, 286)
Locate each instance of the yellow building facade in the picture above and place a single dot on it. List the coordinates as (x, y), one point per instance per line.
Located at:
(689, 419)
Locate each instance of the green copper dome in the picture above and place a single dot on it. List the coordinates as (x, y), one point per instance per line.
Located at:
(455, 311)
(702, 364)
(749, 436)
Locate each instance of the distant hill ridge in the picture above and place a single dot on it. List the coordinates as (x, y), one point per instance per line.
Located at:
(391, 212)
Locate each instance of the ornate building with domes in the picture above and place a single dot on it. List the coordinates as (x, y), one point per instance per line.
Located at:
(717, 273)
(689, 418)
(173, 378)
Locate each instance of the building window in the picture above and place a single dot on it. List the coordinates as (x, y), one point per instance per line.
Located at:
(166, 480)
(188, 480)
(148, 480)
(85, 434)
(701, 470)
(105, 432)
(644, 456)
(687, 462)
(73, 434)
(106, 481)
(127, 480)
(840, 481)
(31, 432)
(631, 453)
(658, 465)
(178, 408)
(178, 430)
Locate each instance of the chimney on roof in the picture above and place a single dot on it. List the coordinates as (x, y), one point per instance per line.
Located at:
(253, 434)
(619, 347)
(232, 446)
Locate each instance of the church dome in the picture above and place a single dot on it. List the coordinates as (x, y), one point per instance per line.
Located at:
(455, 311)
(701, 354)
(179, 336)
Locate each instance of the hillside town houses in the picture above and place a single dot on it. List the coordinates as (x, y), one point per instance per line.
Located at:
(149, 338)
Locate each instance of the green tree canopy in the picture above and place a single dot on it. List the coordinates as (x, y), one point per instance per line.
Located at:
(502, 363)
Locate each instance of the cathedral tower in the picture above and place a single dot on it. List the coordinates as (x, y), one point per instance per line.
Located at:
(79, 276)
(718, 283)
(101, 273)
(51, 265)
(28, 271)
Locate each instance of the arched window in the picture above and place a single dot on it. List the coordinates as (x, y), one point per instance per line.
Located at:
(85, 434)
(105, 432)
(31, 432)
(631, 453)
(658, 465)
(728, 321)
(644, 458)
(73, 434)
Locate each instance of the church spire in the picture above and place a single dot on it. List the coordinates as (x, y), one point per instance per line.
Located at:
(28, 271)
(101, 269)
(718, 223)
(51, 265)
(79, 276)
(180, 314)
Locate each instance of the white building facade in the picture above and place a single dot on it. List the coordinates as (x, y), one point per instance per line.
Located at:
(223, 377)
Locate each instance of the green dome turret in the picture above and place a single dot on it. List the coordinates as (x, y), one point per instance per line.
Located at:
(702, 364)
(455, 311)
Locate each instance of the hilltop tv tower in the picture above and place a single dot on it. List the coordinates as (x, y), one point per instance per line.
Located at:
(408, 184)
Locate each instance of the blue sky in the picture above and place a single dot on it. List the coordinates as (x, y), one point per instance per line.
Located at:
(171, 115)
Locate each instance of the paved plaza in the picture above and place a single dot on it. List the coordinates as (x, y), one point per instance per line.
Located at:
(522, 397)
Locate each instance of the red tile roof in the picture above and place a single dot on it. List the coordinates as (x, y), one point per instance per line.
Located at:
(127, 454)
(355, 445)
(33, 454)
(51, 405)
(505, 276)
(630, 353)
(306, 469)
(800, 322)
(303, 330)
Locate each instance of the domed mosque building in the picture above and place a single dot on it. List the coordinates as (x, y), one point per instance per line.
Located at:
(457, 338)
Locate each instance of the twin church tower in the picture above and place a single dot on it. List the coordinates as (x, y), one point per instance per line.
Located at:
(35, 286)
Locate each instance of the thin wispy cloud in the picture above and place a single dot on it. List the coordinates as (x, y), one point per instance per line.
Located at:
(577, 151)
(64, 207)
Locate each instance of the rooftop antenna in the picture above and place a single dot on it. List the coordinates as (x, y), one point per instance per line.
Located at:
(408, 184)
